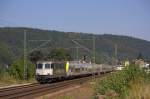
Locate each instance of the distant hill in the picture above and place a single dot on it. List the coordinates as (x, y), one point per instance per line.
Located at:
(12, 39)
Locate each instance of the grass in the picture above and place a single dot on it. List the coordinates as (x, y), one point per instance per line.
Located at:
(6, 80)
(139, 90)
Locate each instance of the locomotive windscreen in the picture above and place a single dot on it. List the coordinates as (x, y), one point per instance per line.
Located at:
(39, 66)
(47, 66)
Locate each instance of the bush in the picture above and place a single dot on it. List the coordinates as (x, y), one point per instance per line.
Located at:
(120, 81)
(17, 69)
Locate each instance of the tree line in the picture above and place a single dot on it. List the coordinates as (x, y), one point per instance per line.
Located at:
(16, 69)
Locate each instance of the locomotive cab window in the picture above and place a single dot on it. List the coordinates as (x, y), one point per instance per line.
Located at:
(47, 66)
(39, 66)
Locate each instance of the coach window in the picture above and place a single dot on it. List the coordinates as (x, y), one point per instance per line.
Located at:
(47, 66)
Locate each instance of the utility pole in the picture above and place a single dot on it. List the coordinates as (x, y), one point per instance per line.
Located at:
(116, 52)
(25, 55)
(77, 53)
(93, 48)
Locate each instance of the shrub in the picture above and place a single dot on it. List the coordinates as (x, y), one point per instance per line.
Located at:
(119, 82)
(17, 69)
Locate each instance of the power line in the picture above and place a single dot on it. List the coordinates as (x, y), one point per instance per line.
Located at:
(87, 49)
(81, 45)
(46, 42)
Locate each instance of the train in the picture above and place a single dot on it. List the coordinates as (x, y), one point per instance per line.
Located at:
(47, 71)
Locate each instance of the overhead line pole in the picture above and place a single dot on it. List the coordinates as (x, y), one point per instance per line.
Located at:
(93, 49)
(116, 52)
(77, 53)
(25, 55)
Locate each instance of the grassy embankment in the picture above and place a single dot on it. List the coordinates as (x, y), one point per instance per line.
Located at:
(130, 83)
(6, 80)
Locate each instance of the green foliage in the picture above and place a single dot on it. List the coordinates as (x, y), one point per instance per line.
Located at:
(59, 54)
(17, 69)
(2, 69)
(140, 56)
(128, 47)
(120, 82)
(6, 55)
(6, 58)
(36, 56)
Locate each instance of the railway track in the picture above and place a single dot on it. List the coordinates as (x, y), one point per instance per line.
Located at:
(35, 90)
(17, 87)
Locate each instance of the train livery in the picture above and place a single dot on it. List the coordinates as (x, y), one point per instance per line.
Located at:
(48, 70)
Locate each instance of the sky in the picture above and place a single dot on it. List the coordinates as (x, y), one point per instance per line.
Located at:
(120, 17)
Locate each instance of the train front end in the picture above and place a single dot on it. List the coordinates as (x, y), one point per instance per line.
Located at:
(47, 71)
(43, 71)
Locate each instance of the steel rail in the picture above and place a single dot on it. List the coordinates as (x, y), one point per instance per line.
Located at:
(30, 91)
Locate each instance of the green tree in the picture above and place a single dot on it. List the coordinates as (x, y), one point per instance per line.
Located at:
(36, 56)
(17, 69)
(6, 55)
(140, 56)
(6, 58)
(2, 70)
(59, 54)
